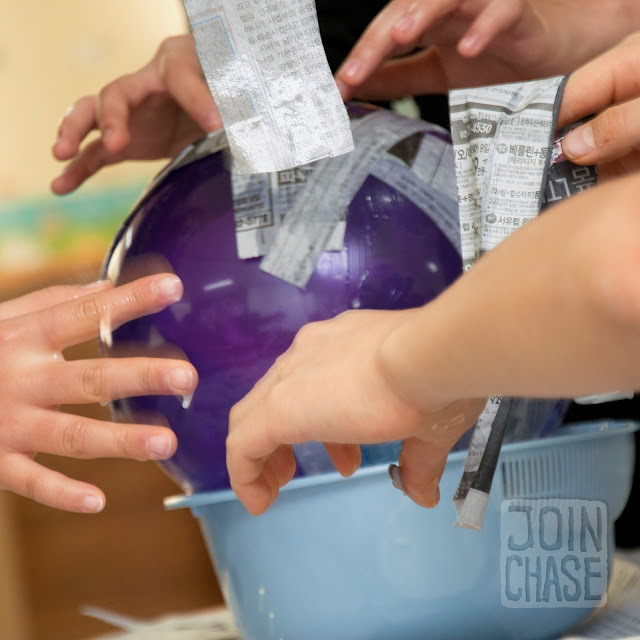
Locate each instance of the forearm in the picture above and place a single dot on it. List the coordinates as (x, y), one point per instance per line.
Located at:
(554, 311)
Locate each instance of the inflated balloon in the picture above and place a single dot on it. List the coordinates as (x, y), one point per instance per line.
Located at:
(234, 319)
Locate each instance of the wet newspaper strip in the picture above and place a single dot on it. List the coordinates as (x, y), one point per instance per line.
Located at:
(503, 141)
(418, 167)
(261, 202)
(267, 71)
(309, 227)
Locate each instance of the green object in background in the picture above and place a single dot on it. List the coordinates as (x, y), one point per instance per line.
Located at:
(37, 231)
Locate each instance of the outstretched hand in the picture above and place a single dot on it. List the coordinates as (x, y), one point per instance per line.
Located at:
(416, 47)
(152, 113)
(35, 380)
(459, 43)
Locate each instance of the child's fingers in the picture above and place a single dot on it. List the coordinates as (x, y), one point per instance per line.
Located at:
(419, 17)
(114, 106)
(23, 475)
(422, 464)
(374, 47)
(44, 298)
(73, 436)
(106, 379)
(85, 318)
(346, 458)
(417, 74)
(248, 448)
(86, 163)
(498, 17)
(185, 82)
(78, 121)
(283, 464)
(609, 79)
(258, 493)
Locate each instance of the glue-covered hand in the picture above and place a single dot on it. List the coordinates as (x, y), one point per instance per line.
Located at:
(35, 379)
(330, 386)
(565, 324)
(475, 42)
(152, 113)
(610, 87)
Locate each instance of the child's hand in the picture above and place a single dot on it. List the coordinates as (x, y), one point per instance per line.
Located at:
(152, 113)
(329, 386)
(610, 87)
(35, 379)
(475, 42)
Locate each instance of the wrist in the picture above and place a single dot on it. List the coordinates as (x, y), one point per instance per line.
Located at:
(409, 363)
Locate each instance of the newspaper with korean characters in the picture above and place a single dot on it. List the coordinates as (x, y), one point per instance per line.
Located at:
(268, 73)
(509, 166)
(291, 217)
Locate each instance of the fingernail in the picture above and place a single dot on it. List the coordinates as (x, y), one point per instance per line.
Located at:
(212, 121)
(406, 24)
(351, 69)
(169, 287)
(396, 478)
(92, 504)
(180, 379)
(106, 133)
(159, 446)
(579, 142)
(469, 44)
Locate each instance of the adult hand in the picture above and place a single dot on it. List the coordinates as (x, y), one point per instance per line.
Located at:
(35, 379)
(329, 386)
(152, 113)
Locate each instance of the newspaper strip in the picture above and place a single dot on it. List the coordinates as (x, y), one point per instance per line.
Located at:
(503, 139)
(472, 495)
(311, 222)
(260, 203)
(477, 445)
(418, 167)
(442, 210)
(268, 73)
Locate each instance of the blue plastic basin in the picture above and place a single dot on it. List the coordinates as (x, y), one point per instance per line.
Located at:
(354, 559)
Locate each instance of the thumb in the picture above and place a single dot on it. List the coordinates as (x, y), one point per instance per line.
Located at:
(609, 136)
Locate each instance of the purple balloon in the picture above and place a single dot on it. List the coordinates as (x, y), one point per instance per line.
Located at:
(235, 320)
